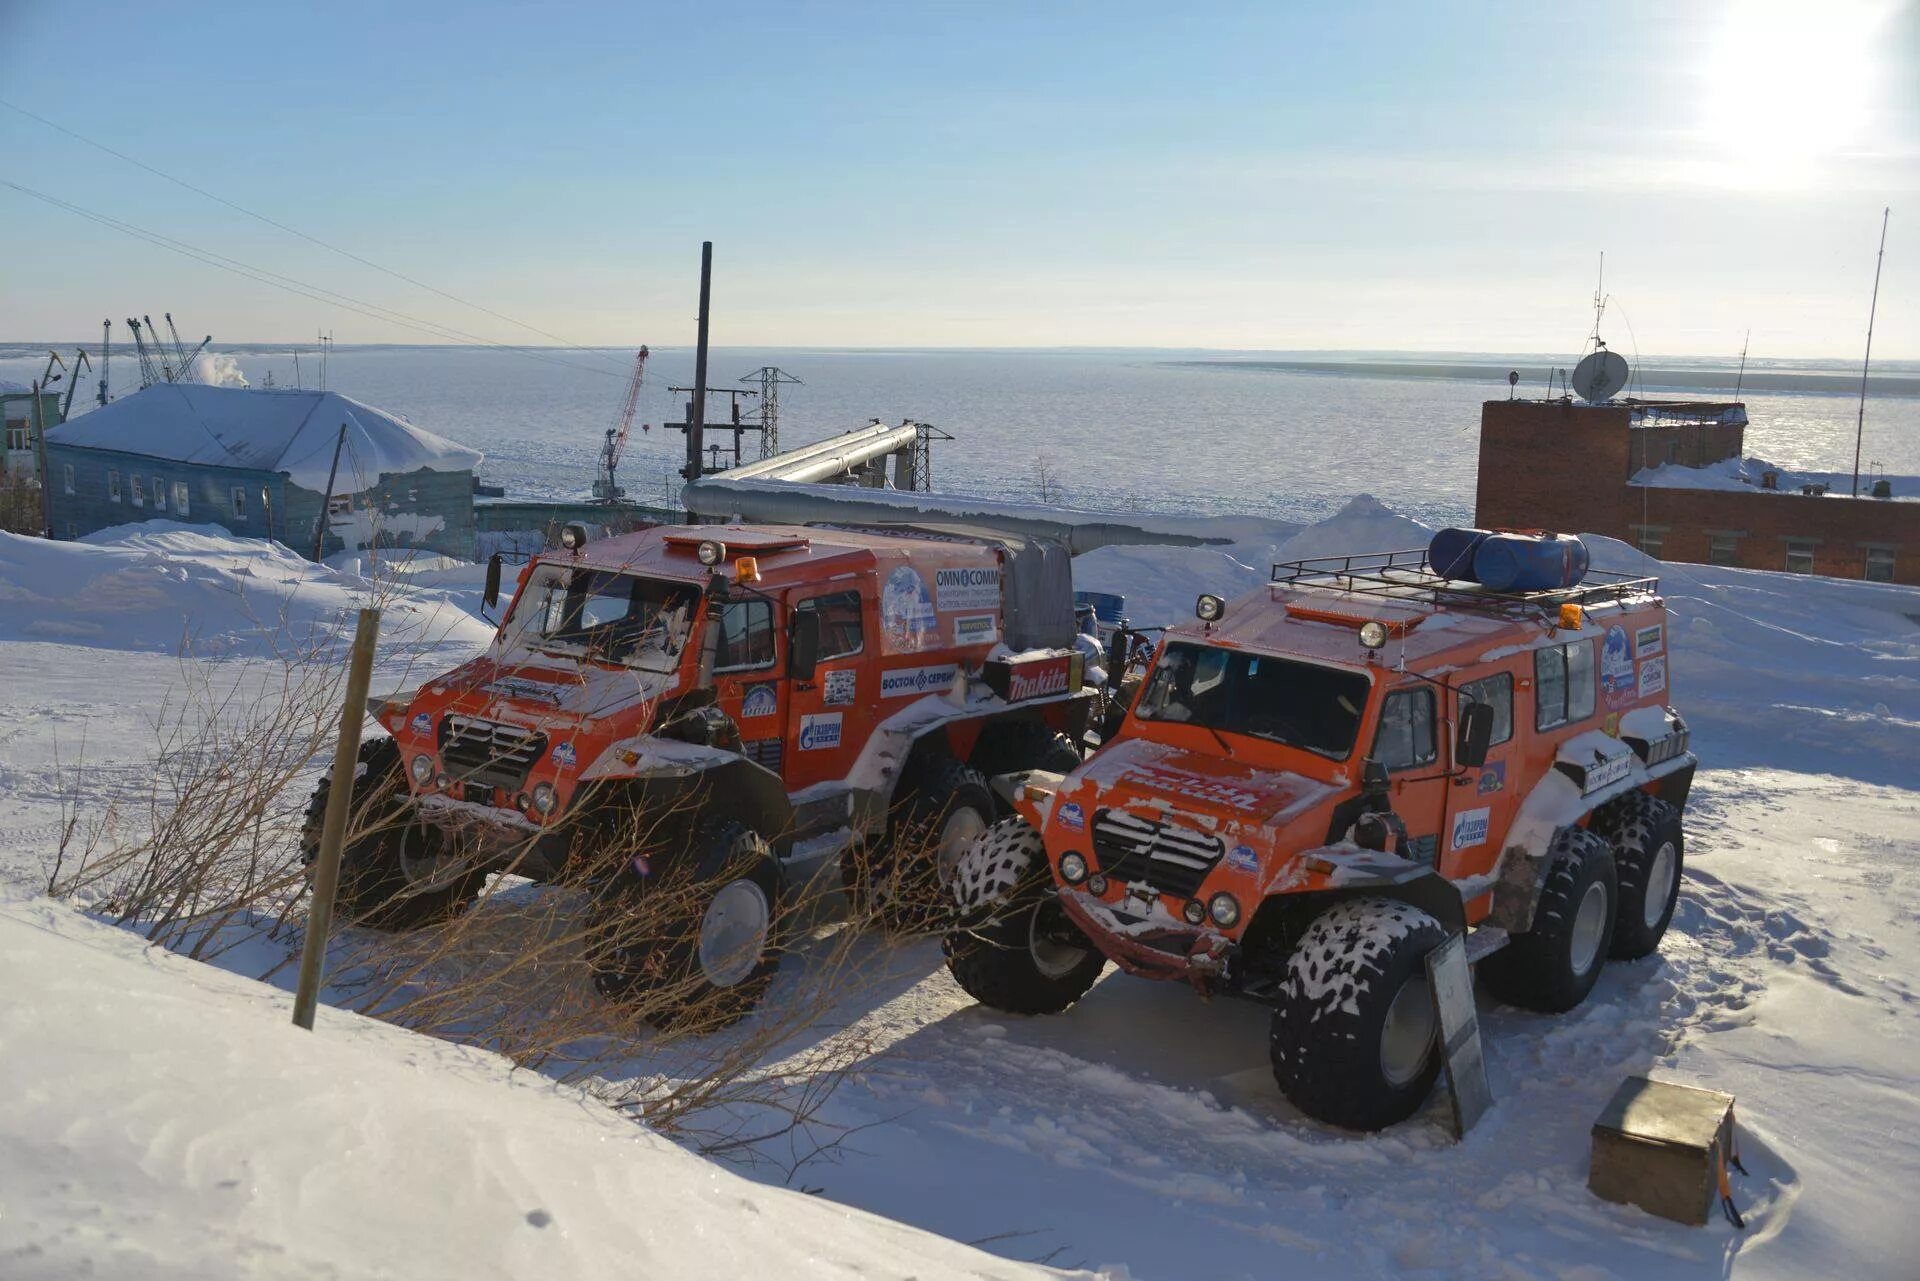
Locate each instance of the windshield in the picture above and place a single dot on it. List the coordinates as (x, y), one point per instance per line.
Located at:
(604, 615)
(1299, 704)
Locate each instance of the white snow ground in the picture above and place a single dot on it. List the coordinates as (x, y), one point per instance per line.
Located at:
(1141, 1130)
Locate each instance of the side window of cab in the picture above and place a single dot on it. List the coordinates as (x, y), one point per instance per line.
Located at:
(1562, 684)
(1406, 737)
(746, 637)
(841, 632)
(1496, 691)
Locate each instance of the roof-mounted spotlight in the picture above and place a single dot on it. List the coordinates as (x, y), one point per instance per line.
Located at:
(573, 537)
(711, 551)
(1373, 634)
(1209, 609)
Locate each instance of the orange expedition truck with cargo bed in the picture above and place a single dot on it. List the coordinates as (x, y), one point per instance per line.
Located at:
(725, 707)
(1324, 779)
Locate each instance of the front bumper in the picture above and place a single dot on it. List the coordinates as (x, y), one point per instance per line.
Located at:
(1196, 956)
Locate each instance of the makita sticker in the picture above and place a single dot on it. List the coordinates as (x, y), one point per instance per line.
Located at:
(1072, 817)
(838, 687)
(976, 629)
(1241, 858)
(1617, 681)
(1039, 679)
(1653, 676)
(819, 732)
(563, 754)
(1493, 777)
(761, 700)
(1648, 641)
(1470, 827)
(966, 588)
(916, 681)
(422, 723)
(906, 612)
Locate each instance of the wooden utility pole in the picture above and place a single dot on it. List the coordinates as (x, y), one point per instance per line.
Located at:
(40, 458)
(333, 830)
(1860, 423)
(697, 417)
(326, 500)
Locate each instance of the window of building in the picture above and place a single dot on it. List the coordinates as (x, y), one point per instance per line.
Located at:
(113, 486)
(746, 636)
(239, 503)
(1406, 730)
(135, 491)
(1879, 568)
(1563, 684)
(1723, 549)
(1651, 540)
(17, 434)
(1800, 555)
(1497, 692)
(66, 478)
(159, 494)
(180, 498)
(840, 630)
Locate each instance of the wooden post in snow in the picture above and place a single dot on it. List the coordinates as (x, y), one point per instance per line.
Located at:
(333, 830)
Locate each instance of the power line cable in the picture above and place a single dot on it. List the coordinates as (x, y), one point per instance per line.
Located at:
(292, 285)
(292, 231)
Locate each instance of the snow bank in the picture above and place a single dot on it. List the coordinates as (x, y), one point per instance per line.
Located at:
(1745, 474)
(265, 429)
(160, 1118)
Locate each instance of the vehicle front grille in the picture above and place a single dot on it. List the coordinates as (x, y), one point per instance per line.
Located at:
(1170, 858)
(489, 754)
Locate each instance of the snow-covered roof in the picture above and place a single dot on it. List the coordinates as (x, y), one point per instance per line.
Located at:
(265, 429)
(10, 388)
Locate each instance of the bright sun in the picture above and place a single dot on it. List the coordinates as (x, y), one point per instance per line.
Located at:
(1790, 83)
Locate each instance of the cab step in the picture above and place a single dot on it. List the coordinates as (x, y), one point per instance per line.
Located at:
(1484, 942)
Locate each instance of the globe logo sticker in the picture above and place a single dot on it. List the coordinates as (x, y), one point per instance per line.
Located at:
(906, 611)
(1617, 681)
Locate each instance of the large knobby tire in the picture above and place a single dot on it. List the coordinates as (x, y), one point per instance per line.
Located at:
(395, 872)
(1021, 745)
(1015, 948)
(690, 938)
(1353, 1032)
(1553, 966)
(1649, 850)
(901, 881)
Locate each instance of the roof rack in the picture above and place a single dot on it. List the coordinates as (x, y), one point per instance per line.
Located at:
(1404, 577)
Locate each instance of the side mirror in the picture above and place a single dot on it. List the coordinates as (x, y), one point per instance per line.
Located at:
(803, 644)
(491, 596)
(1373, 778)
(1476, 732)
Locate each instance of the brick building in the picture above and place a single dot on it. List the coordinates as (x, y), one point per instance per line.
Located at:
(1669, 477)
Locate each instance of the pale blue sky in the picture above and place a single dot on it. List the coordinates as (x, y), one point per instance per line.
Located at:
(1373, 175)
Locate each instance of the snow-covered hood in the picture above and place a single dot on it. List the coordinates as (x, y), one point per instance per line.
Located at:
(1148, 775)
(536, 693)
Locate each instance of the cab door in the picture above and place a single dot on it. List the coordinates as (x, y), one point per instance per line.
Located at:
(1481, 802)
(829, 715)
(749, 680)
(1408, 745)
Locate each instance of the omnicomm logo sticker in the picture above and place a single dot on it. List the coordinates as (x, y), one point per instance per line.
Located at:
(917, 681)
(1653, 676)
(1470, 827)
(563, 754)
(967, 588)
(1073, 818)
(819, 732)
(761, 700)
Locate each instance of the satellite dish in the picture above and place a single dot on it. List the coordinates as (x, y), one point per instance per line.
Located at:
(1600, 376)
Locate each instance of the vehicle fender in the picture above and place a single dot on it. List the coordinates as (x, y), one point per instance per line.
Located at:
(689, 776)
(1030, 793)
(1336, 872)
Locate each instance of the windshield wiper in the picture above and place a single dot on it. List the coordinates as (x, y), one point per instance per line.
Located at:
(1219, 738)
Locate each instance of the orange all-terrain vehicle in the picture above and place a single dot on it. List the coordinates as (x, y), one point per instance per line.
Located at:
(772, 696)
(1324, 779)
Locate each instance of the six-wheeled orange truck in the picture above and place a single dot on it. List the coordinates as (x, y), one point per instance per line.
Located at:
(1324, 779)
(772, 696)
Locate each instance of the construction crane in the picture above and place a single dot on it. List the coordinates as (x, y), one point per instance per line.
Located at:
(80, 362)
(106, 347)
(604, 488)
(183, 372)
(149, 375)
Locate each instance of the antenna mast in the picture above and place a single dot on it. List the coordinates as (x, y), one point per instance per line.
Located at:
(1742, 377)
(1860, 424)
(106, 348)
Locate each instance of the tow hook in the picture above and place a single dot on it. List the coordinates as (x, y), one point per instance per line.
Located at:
(1207, 964)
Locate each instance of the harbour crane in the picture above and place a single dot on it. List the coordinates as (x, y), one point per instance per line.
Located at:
(183, 372)
(149, 375)
(160, 350)
(80, 362)
(604, 488)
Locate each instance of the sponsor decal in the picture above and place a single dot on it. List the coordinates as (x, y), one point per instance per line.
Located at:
(422, 723)
(907, 622)
(1038, 679)
(510, 687)
(916, 681)
(1612, 769)
(1241, 858)
(976, 629)
(1610, 725)
(1493, 777)
(966, 588)
(761, 700)
(564, 755)
(1653, 676)
(819, 732)
(1617, 680)
(1470, 827)
(839, 687)
(1072, 817)
(1648, 641)
(1181, 783)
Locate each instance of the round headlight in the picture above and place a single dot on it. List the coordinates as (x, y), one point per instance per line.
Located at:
(1194, 912)
(1373, 635)
(1097, 884)
(1073, 868)
(1224, 910)
(443, 782)
(1208, 609)
(711, 551)
(422, 769)
(573, 537)
(544, 798)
